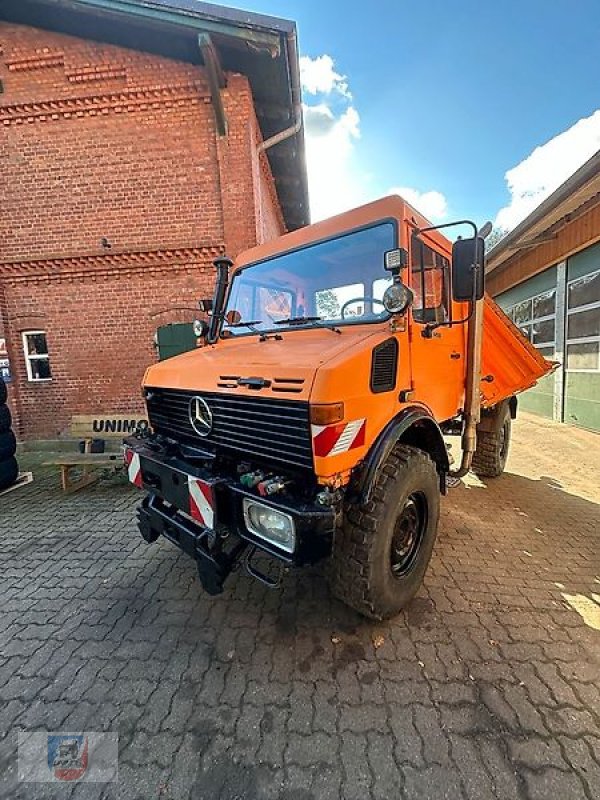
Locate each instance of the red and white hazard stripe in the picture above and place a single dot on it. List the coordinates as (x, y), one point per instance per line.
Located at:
(202, 502)
(134, 468)
(331, 440)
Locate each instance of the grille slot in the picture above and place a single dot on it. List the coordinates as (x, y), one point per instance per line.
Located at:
(271, 429)
(290, 385)
(384, 366)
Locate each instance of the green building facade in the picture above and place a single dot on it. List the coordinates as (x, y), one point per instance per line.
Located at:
(559, 311)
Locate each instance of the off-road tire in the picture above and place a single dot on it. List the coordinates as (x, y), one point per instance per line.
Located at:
(361, 564)
(5, 418)
(3, 392)
(489, 458)
(9, 472)
(8, 445)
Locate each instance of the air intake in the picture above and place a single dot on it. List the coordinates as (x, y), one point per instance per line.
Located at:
(384, 366)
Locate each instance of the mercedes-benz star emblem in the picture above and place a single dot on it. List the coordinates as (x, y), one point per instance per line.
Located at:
(200, 416)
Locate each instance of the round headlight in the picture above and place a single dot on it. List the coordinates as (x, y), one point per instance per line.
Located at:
(397, 298)
(200, 328)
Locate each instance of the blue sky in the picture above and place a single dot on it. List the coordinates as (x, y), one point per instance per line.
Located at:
(443, 98)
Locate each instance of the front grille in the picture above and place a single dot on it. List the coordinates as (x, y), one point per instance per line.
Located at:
(276, 431)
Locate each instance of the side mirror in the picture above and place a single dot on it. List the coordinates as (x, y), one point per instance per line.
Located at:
(206, 305)
(233, 317)
(468, 269)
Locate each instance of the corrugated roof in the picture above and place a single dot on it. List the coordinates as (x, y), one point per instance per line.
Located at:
(261, 47)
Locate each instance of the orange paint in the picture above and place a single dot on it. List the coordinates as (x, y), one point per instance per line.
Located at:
(326, 367)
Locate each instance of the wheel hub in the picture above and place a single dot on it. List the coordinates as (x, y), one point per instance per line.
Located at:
(408, 534)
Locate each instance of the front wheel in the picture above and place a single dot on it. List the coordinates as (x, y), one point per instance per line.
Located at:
(383, 547)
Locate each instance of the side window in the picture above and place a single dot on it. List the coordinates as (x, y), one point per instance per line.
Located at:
(37, 359)
(430, 282)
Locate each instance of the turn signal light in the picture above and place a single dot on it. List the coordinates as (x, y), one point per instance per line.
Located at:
(326, 413)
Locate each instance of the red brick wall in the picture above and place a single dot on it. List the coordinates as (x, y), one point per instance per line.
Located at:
(98, 141)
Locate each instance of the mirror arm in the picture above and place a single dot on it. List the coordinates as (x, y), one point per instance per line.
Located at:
(449, 225)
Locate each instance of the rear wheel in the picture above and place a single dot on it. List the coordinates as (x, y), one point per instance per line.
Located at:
(489, 459)
(382, 550)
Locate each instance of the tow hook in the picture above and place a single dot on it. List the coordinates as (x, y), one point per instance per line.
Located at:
(270, 583)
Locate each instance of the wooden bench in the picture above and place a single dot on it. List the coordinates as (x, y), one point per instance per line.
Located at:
(88, 427)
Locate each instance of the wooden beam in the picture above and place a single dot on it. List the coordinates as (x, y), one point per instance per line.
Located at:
(217, 80)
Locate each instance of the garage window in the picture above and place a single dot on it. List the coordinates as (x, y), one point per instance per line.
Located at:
(37, 359)
(536, 318)
(583, 324)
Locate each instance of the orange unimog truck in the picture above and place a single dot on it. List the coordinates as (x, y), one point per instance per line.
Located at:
(310, 423)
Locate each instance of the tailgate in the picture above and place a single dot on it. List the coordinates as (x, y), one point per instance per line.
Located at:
(507, 357)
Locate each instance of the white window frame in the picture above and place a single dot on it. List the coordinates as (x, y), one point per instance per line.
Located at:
(581, 339)
(532, 320)
(29, 358)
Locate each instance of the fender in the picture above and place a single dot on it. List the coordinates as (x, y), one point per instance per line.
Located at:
(414, 426)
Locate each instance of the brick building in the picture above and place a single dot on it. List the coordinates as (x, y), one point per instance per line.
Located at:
(137, 142)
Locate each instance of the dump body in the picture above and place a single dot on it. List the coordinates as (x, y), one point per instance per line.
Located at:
(508, 357)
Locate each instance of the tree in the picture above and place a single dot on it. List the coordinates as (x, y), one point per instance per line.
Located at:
(495, 236)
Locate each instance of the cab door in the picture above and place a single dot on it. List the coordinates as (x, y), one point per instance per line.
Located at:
(438, 350)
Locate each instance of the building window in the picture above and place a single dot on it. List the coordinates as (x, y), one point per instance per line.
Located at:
(430, 282)
(583, 324)
(536, 318)
(37, 359)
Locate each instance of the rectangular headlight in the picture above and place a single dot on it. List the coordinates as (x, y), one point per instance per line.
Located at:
(273, 526)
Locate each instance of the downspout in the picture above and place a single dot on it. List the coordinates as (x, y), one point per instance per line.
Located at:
(292, 56)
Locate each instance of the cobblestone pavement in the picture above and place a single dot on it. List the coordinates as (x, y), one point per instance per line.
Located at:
(487, 687)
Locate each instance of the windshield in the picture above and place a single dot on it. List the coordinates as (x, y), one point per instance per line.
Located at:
(335, 281)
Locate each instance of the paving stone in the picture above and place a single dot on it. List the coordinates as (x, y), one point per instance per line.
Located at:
(487, 686)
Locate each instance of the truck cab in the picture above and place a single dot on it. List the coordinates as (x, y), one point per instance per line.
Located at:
(309, 424)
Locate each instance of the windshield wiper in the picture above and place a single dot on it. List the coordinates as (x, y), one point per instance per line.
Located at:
(302, 320)
(262, 335)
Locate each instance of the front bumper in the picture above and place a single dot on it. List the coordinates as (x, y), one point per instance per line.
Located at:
(203, 514)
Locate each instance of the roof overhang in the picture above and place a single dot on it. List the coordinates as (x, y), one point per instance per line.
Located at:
(572, 198)
(262, 48)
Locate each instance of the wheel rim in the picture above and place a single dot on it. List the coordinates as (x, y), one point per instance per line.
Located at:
(408, 534)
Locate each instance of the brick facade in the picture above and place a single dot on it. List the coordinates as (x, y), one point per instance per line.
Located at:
(117, 194)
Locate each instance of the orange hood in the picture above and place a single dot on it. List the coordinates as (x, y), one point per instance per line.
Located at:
(289, 364)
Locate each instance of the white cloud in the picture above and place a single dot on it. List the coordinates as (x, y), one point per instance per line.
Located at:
(549, 165)
(431, 204)
(319, 77)
(334, 180)
(337, 179)
(332, 128)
